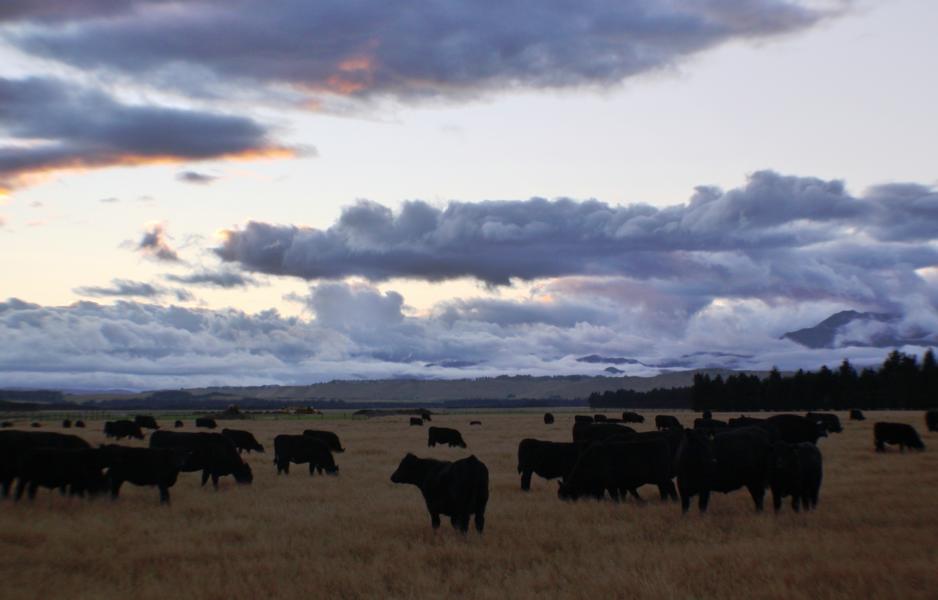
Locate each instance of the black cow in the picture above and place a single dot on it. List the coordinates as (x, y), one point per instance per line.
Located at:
(597, 432)
(146, 421)
(732, 459)
(457, 489)
(444, 435)
(6, 424)
(795, 429)
(35, 424)
(707, 414)
(620, 467)
(900, 434)
(425, 416)
(144, 466)
(795, 470)
(66, 423)
(80, 423)
(931, 420)
(77, 470)
(475, 423)
(548, 419)
(243, 440)
(857, 415)
(211, 453)
(178, 424)
(667, 422)
(121, 429)
(829, 421)
(207, 422)
(14, 444)
(710, 425)
(550, 460)
(416, 421)
(632, 417)
(330, 438)
(744, 421)
(301, 449)
(582, 419)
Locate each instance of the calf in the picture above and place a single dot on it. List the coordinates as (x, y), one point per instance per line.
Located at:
(143, 466)
(899, 434)
(457, 489)
(416, 421)
(207, 422)
(77, 470)
(667, 422)
(301, 449)
(330, 438)
(444, 435)
(211, 453)
(243, 440)
(550, 460)
(795, 470)
(121, 429)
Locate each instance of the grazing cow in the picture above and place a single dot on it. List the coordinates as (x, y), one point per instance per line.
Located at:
(416, 421)
(301, 449)
(620, 467)
(550, 460)
(35, 424)
(632, 417)
(829, 421)
(178, 424)
(80, 423)
(667, 422)
(795, 429)
(707, 414)
(900, 434)
(795, 470)
(597, 432)
(121, 429)
(146, 421)
(599, 418)
(143, 466)
(66, 423)
(243, 440)
(548, 419)
(207, 422)
(732, 459)
(444, 435)
(77, 470)
(931, 420)
(710, 426)
(14, 444)
(425, 416)
(6, 424)
(857, 415)
(475, 423)
(457, 489)
(330, 438)
(211, 453)
(582, 419)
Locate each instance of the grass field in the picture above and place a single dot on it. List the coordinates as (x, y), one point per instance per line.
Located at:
(875, 534)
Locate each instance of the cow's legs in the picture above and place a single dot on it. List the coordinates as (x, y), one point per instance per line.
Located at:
(20, 486)
(115, 488)
(204, 476)
(312, 469)
(526, 480)
(757, 491)
(703, 500)
(776, 499)
(215, 481)
(634, 492)
(6, 487)
(31, 492)
(795, 502)
(480, 519)
(164, 494)
(435, 520)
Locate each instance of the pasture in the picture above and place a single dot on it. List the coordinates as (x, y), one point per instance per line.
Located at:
(357, 535)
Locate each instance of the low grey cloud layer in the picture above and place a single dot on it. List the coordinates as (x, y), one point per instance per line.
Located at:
(777, 237)
(407, 50)
(80, 128)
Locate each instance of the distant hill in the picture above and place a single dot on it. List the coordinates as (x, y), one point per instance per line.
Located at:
(834, 332)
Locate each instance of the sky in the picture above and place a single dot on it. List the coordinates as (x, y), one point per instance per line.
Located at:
(242, 192)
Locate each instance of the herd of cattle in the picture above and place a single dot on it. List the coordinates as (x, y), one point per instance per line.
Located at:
(605, 456)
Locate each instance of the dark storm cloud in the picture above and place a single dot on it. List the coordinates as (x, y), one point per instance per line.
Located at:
(83, 128)
(222, 279)
(196, 178)
(154, 244)
(403, 49)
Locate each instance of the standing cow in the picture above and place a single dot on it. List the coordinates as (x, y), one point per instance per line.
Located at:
(299, 449)
(207, 422)
(146, 421)
(416, 422)
(550, 460)
(548, 419)
(632, 417)
(457, 489)
(444, 435)
(795, 470)
(121, 429)
(143, 466)
(667, 422)
(211, 453)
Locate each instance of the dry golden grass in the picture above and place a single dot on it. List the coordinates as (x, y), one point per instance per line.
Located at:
(875, 534)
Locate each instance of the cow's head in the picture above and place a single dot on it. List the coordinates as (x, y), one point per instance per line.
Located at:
(243, 474)
(406, 471)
